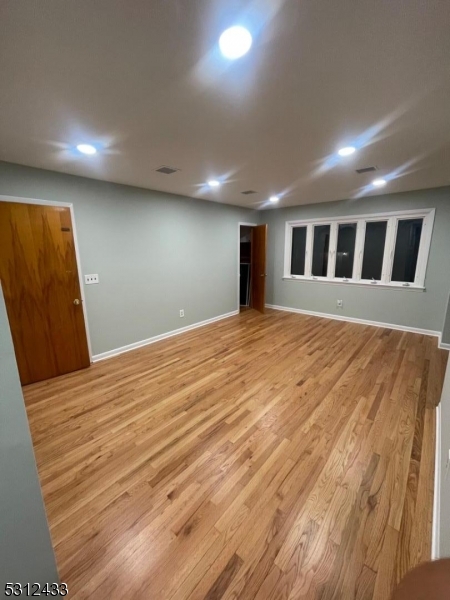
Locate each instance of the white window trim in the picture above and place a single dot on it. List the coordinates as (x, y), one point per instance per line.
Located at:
(392, 219)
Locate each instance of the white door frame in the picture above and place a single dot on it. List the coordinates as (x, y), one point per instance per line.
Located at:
(244, 224)
(77, 253)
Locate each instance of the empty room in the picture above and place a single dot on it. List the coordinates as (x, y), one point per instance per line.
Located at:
(224, 299)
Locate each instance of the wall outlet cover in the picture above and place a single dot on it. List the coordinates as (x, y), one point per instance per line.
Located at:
(339, 303)
(181, 313)
(91, 279)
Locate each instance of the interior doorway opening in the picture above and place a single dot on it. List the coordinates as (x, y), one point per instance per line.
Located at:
(245, 267)
(251, 268)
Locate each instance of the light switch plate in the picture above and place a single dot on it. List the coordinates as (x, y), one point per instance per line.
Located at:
(90, 279)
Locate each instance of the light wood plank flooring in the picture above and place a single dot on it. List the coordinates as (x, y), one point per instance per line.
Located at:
(275, 456)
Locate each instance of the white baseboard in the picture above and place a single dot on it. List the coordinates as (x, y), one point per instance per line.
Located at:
(162, 336)
(354, 320)
(442, 344)
(435, 540)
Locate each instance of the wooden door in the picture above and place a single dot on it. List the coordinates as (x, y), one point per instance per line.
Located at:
(38, 272)
(259, 243)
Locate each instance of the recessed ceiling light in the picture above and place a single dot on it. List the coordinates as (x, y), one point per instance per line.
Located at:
(346, 151)
(379, 182)
(235, 42)
(86, 149)
(213, 183)
(274, 199)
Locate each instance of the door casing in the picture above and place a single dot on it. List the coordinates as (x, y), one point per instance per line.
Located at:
(259, 267)
(243, 224)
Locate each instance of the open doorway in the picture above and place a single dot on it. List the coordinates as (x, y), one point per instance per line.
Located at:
(252, 243)
(245, 267)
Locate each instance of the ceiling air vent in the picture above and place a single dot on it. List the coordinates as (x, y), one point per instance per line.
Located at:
(167, 170)
(366, 170)
(247, 192)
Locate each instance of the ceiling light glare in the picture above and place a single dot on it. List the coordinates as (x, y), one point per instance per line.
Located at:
(274, 199)
(346, 151)
(235, 42)
(86, 149)
(213, 183)
(379, 182)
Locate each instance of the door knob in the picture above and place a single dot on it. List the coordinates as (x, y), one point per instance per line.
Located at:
(76, 302)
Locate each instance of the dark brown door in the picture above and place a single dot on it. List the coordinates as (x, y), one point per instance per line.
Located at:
(259, 243)
(39, 275)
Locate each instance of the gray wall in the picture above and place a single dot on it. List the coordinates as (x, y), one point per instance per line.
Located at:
(424, 310)
(446, 330)
(26, 553)
(155, 253)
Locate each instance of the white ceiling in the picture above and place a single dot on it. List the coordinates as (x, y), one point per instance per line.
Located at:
(145, 80)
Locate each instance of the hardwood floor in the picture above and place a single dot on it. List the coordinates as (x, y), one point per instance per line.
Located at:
(264, 456)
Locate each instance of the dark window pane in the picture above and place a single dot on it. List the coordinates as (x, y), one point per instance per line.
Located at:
(374, 249)
(320, 250)
(298, 251)
(345, 254)
(407, 249)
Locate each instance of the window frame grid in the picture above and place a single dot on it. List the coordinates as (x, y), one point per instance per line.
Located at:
(392, 219)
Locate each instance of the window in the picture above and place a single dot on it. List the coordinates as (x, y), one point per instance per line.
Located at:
(374, 242)
(320, 250)
(407, 249)
(298, 251)
(389, 249)
(345, 253)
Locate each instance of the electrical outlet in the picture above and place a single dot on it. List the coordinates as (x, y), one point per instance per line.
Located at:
(181, 313)
(90, 279)
(339, 303)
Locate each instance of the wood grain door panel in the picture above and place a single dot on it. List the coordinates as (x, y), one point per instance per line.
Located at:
(259, 244)
(39, 275)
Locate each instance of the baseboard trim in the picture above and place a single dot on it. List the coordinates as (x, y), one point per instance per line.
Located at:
(435, 539)
(162, 336)
(443, 345)
(313, 313)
